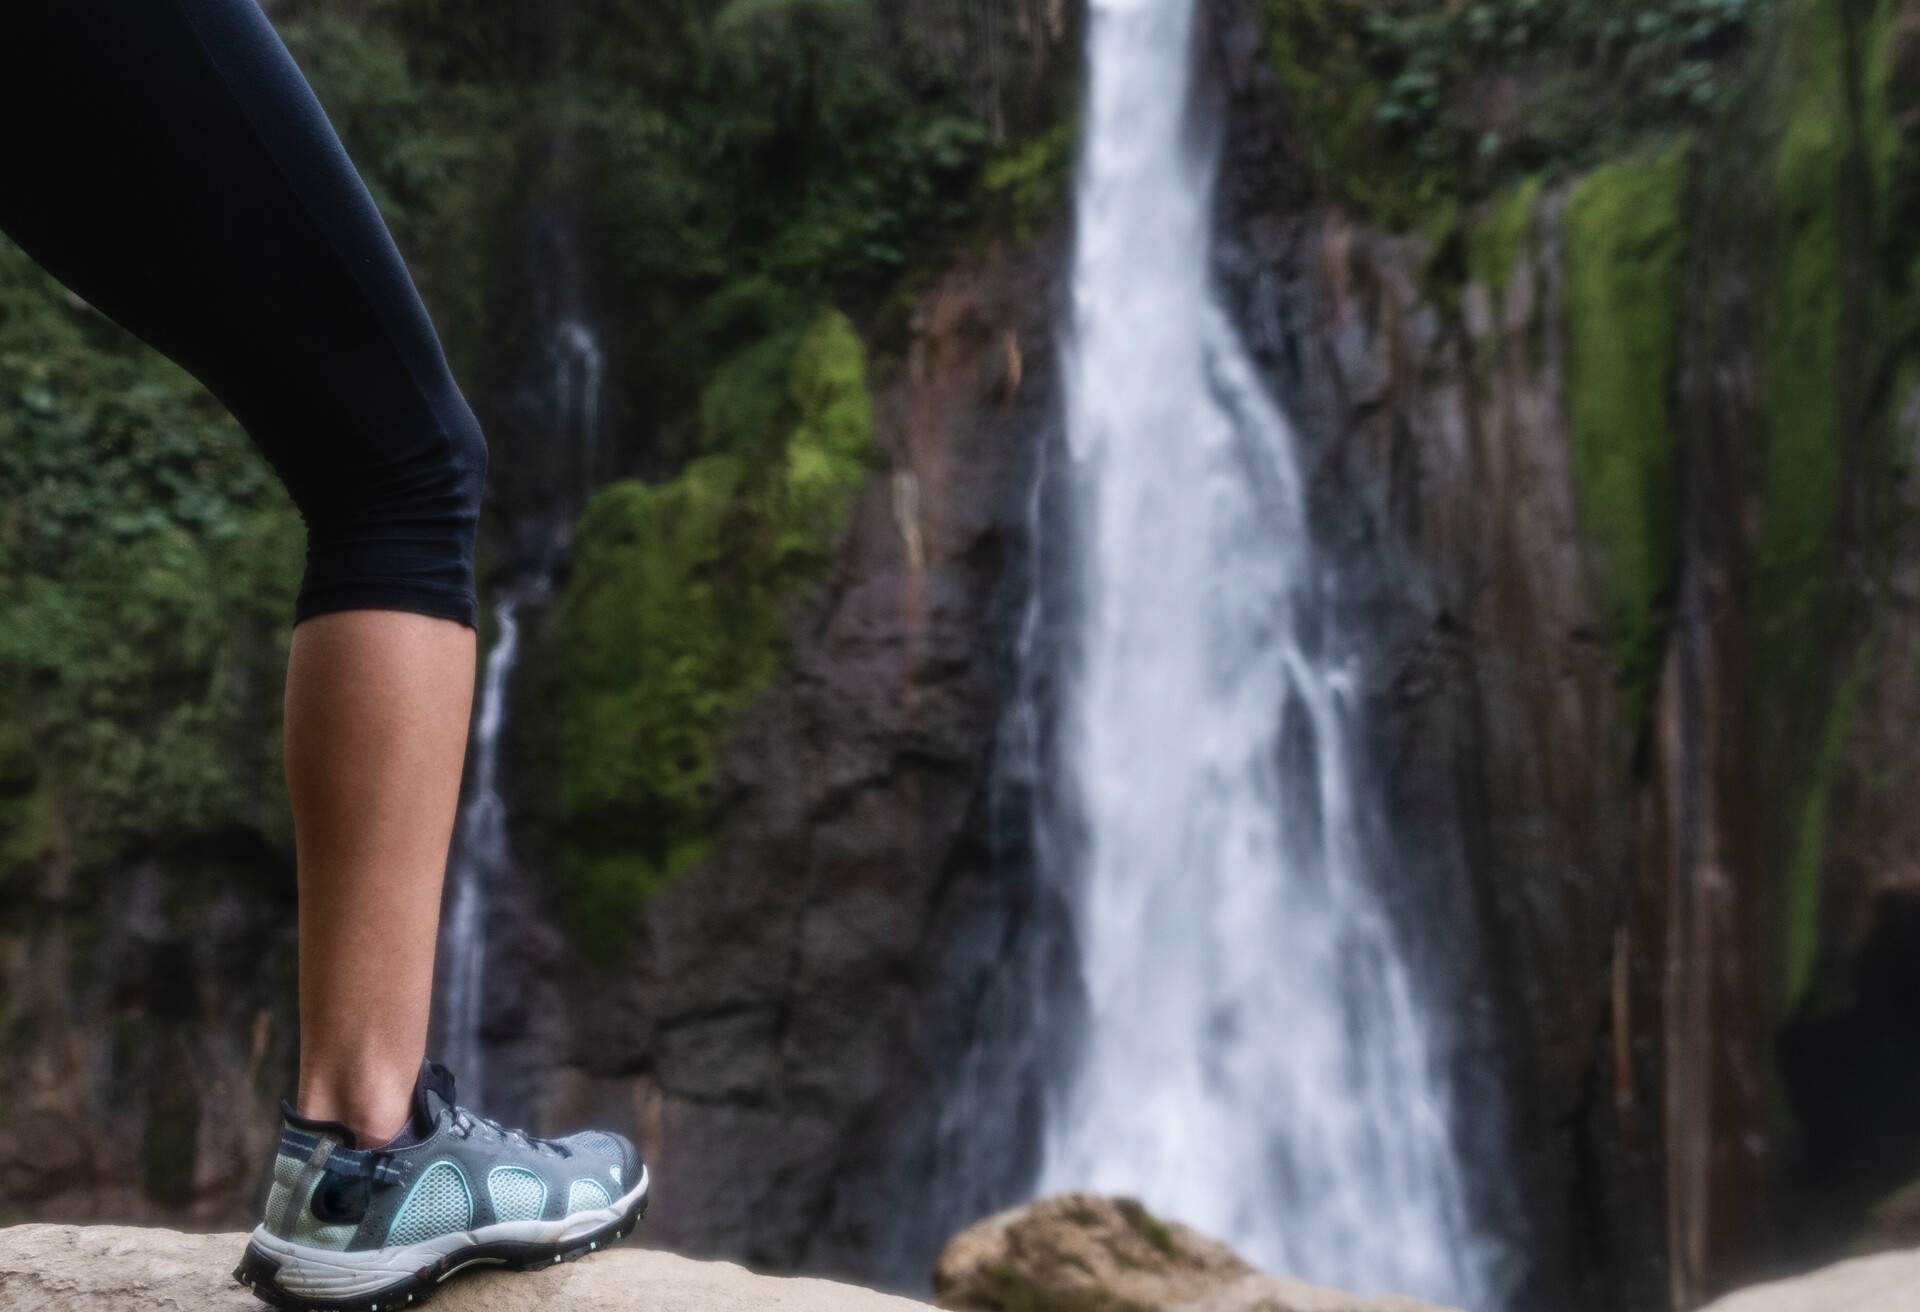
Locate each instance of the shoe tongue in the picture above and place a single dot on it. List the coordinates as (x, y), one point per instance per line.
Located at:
(432, 1093)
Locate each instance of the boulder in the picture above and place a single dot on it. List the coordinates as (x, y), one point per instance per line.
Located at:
(1885, 1282)
(60, 1268)
(1085, 1253)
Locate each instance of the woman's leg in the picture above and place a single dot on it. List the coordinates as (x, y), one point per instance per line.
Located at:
(168, 162)
(377, 709)
(170, 165)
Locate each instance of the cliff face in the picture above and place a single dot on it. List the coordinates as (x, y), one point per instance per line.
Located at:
(784, 1017)
(1610, 439)
(1616, 468)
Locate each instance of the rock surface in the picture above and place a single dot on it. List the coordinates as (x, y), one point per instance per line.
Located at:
(60, 1268)
(1084, 1253)
(1885, 1282)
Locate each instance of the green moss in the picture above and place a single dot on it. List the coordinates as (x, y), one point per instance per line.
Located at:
(1625, 240)
(1803, 885)
(1800, 480)
(1840, 313)
(674, 620)
(1147, 1225)
(1495, 240)
(829, 446)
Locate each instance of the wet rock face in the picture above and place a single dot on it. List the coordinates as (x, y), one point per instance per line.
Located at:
(787, 1014)
(147, 1042)
(1443, 485)
(1085, 1253)
(1639, 628)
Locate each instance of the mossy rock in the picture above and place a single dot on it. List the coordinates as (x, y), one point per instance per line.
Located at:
(673, 621)
(1625, 247)
(1840, 313)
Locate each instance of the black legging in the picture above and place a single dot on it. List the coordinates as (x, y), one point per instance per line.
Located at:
(167, 161)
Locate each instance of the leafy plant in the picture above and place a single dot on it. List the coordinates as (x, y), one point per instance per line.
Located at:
(1413, 99)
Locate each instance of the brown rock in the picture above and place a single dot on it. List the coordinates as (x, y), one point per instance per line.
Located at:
(1085, 1253)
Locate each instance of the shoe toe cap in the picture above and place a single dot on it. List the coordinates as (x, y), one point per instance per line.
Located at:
(614, 1148)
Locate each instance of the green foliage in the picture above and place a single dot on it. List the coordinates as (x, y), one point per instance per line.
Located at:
(1025, 185)
(790, 146)
(786, 149)
(674, 620)
(1625, 242)
(376, 104)
(148, 559)
(1404, 103)
(439, 159)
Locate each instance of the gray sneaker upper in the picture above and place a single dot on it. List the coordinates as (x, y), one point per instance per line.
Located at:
(462, 1172)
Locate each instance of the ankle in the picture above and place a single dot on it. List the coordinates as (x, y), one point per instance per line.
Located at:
(370, 1099)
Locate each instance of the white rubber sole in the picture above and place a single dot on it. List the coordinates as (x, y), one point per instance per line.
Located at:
(383, 1278)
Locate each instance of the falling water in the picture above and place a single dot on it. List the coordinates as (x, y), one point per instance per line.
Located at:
(481, 852)
(578, 365)
(1254, 1061)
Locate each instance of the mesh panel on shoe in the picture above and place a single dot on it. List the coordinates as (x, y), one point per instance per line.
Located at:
(517, 1193)
(286, 1171)
(303, 1226)
(592, 1141)
(307, 1229)
(586, 1196)
(438, 1205)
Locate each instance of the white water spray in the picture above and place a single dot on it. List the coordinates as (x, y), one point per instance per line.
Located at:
(1255, 1061)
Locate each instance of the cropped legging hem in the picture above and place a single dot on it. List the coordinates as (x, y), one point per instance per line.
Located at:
(388, 594)
(168, 162)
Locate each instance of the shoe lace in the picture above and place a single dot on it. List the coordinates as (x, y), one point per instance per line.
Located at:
(466, 1121)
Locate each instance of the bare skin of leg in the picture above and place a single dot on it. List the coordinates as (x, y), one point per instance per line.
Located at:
(376, 736)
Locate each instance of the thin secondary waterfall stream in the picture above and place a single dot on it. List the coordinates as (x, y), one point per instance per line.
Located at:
(481, 852)
(1255, 1061)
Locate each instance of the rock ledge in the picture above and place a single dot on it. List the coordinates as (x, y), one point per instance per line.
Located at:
(63, 1268)
(1885, 1282)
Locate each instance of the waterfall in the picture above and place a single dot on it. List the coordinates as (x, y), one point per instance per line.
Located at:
(480, 854)
(481, 851)
(1254, 1059)
(578, 365)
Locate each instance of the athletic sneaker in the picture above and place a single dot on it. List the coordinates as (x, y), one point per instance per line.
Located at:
(381, 1228)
